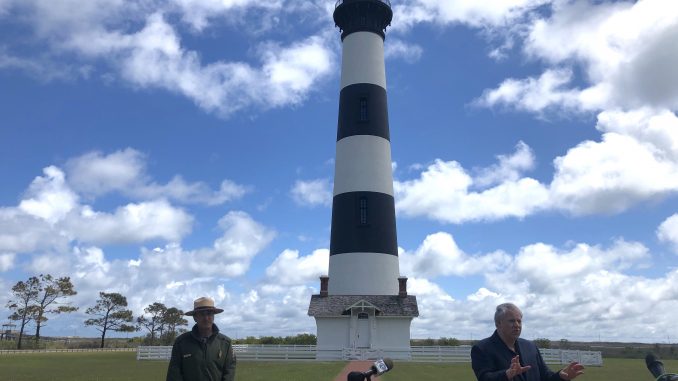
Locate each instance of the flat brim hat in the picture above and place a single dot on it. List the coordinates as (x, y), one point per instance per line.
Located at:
(204, 304)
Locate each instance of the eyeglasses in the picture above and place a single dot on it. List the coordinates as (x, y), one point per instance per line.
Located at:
(204, 313)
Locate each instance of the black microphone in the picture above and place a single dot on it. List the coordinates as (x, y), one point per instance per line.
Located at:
(379, 367)
(655, 366)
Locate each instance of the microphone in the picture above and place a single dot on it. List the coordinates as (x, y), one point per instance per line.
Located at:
(379, 367)
(655, 366)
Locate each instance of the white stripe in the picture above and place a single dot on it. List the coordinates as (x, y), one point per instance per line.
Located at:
(363, 274)
(363, 163)
(363, 60)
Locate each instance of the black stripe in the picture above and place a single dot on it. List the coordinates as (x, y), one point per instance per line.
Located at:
(351, 233)
(353, 120)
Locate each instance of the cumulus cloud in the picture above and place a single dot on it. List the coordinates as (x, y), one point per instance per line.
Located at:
(548, 282)
(493, 13)
(137, 42)
(439, 255)
(668, 232)
(230, 255)
(537, 95)
(624, 50)
(634, 162)
(198, 13)
(48, 197)
(23, 233)
(51, 215)
(131, 223)
(508, 168)
(6, 261)
(291, 269)
(125, 171)
(545, 269)
(312, 192)
(395, 48)
(446, 192)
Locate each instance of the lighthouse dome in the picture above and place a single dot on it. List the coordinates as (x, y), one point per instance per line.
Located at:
(362, 16)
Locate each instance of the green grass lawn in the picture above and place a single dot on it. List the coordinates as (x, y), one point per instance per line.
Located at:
(123, 366)
(612, 370)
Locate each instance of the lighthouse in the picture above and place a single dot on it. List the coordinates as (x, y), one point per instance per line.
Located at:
(363, 309)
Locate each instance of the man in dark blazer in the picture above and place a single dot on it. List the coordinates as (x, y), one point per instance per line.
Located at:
(505, 356)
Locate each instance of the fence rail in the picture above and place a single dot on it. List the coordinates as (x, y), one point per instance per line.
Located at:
(456, 354)
(18, 351)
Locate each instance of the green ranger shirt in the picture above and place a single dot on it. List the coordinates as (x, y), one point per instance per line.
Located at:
(195, 358)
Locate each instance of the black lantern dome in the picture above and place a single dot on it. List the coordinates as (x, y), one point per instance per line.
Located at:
(362, 16)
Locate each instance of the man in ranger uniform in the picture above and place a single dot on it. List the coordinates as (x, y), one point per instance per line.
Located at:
(202, 354)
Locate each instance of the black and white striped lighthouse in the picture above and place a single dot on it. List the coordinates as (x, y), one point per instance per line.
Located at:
(363, 244)
(363, 305)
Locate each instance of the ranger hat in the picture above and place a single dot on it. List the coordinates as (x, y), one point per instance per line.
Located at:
(204, 304)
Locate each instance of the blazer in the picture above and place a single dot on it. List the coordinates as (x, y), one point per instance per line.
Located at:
(490, 358)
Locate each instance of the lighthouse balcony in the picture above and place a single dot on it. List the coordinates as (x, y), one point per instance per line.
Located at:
(362, 16)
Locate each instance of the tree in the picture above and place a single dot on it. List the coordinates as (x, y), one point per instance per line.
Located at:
(112, 315)
(154, 323)
(24, 294)
(50, 292)
(173, 318)
(542, 343)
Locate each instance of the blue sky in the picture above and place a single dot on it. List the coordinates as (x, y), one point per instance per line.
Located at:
(172, 149)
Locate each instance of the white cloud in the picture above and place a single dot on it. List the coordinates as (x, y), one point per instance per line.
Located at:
(395, 48)
(635, 161)
(48, 197)
(668, 232)
(624, 50)
(312, 192)
(536, 95)
(7, 261)
(508, 168)
(95, 173)
(138, 42)
(545, 269)
(547, 283)
(51, 216)
(198, 12)
(125, 171)
(131, 223)
(491, 13)
(290, 269)
(230, 255)
(22, 233)
(444, 191)
(439, 255)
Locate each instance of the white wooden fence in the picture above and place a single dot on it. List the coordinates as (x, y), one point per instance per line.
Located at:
(23, 351)
(456, 354)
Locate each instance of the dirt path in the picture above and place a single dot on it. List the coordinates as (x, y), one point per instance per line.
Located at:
(353, 366)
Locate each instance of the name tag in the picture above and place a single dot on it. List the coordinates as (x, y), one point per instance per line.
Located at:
(187, 355)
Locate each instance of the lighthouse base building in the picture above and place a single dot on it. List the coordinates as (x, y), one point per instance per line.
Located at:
(362, 327)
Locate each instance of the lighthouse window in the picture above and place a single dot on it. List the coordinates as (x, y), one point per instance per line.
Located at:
(363, 109)
(363, 211)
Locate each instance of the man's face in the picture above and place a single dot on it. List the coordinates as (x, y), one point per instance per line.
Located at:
(204, 319)
(510, 325)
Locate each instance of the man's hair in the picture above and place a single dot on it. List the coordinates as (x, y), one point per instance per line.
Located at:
(502, 309)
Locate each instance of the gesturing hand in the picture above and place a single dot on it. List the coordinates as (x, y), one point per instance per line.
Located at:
(571, 371)
(515, 368)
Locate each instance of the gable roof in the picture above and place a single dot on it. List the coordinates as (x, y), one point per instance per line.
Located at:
(386, 305)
